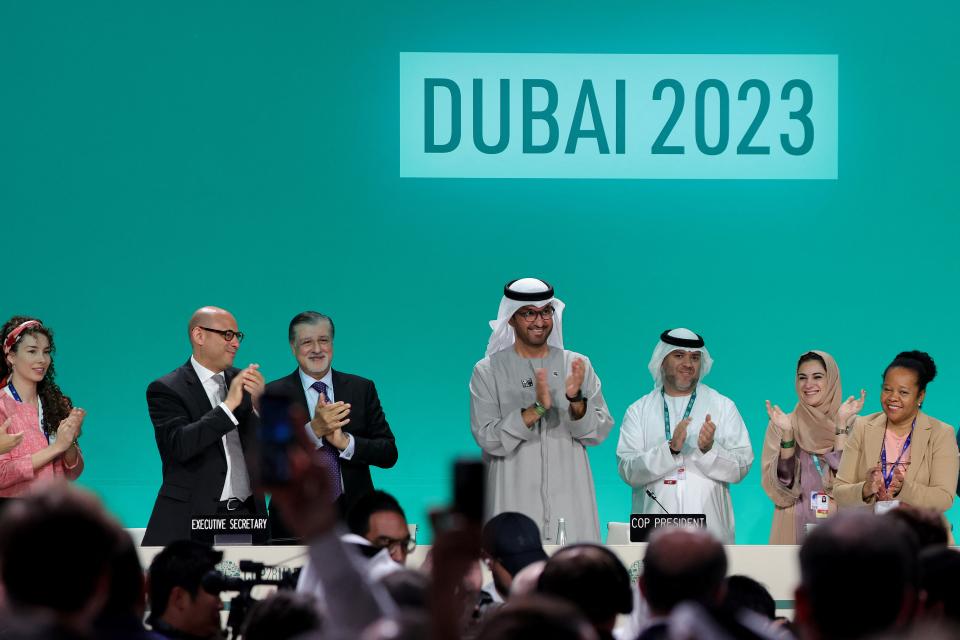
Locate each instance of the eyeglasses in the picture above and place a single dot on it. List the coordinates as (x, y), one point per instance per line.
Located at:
(393, 544)
(530, 314)
(228, 334)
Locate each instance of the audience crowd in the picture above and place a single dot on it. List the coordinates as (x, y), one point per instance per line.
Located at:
(68, 570)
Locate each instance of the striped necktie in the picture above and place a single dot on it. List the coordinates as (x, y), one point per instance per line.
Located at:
(329, 455)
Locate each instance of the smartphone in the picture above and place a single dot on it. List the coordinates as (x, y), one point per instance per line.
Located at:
(469, 489)
(279, 419)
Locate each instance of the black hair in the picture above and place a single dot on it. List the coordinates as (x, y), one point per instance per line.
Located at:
(879, 552)
(307, 317)
(358, 517)
(743, 592)
(698, 578)
(940, 574)
(810, 356)
(55, 548)
(126, 583)
(183, 564)
(927, 524)
(534, 617)
(283, 615)
(919, 362)
(409, 589)
(592, 578)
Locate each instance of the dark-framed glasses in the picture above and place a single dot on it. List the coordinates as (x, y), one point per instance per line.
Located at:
(407, 544)
(228, 334)
(530, 314)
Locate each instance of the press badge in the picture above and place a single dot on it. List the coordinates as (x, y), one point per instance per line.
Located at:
(823, 505)
(883, 506)
(674, 476)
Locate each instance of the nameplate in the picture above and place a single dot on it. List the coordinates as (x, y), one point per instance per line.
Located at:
(220, 529)
(643, 524)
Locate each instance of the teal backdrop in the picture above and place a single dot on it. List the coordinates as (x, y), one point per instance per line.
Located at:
(159, 156)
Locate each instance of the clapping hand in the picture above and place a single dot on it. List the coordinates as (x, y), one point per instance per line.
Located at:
(575, 379)
(707, 431)
(542, 387)
(329, 418)
(782, 420)
(891, 492)
(851, 407)
(249, 380)
(873, 484)
(8, 441)
(679, 435)
(70, 427)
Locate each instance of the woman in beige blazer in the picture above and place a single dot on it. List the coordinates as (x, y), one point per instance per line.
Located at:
(901, 454)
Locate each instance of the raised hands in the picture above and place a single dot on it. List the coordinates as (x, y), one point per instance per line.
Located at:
(873, 483)
(782, 420)
(707, 431)
(891, 492)
(542, 387)
(575, 379)
(8, 441)
(851, 407)
(249, 380)
(329, 418)
(70, 429)
(679, 435)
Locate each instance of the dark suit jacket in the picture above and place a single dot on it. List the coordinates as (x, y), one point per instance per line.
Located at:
(374, 443)
(189, 437)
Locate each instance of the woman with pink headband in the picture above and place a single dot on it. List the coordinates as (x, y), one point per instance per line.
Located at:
(39, 426)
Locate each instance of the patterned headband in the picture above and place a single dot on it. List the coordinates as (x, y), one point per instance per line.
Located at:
(14, 335)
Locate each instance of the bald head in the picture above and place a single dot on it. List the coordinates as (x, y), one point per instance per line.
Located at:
(210, 348)
(681, 565)
(206, 316)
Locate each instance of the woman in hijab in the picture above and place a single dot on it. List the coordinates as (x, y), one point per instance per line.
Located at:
(802, 449)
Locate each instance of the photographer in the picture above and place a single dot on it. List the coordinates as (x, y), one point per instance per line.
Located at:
(180, 608)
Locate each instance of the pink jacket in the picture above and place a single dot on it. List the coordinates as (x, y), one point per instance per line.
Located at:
(16, 469)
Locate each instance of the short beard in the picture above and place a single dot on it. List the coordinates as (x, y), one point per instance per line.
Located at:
(672, 381)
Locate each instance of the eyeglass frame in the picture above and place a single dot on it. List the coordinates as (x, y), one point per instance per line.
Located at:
(534, 313)
(239, 335)
(408, 544)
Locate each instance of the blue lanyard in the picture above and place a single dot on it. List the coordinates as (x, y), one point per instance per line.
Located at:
(888, 478)
(816, 463)
(666, 412)
(16, 396)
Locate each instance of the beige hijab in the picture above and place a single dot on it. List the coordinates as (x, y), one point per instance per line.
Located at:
(814, 428)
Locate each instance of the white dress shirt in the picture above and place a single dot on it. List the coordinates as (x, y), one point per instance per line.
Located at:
(213, 392)
(313, 397)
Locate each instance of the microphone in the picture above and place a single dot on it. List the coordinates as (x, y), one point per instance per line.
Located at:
(654, 497)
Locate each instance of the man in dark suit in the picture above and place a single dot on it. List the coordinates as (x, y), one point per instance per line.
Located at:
(204, 423)
(348, 427)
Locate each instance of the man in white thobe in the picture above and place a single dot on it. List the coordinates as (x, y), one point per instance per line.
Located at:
(534, 409)
(684, 442)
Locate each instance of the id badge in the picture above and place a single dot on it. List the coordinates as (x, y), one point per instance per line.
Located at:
(823, 505)
(675, 476)
(882, 506)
